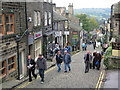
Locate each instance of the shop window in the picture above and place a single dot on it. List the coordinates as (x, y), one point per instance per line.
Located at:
(12, 64)
(2, 68)
(9, 20)
(37, 48)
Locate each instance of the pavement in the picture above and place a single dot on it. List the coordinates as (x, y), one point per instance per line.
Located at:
(112, 79)
(13, 83)
(74, 79)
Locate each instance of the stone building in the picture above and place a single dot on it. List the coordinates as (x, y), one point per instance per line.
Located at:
(74, 27)
(59, 23)
(115, 19)
(12, 25)
(35, 17)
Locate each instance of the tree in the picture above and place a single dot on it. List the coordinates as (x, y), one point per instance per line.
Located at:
(89, 24)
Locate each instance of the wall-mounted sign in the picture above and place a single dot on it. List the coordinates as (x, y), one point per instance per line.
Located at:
(74, 32)
(57, 33)
(66, 32)
(37, 35)
(30, 39)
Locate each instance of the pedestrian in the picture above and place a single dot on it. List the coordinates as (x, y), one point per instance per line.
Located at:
(98, 60)
(67, 61)
(87, 61)
(31, 68)
(41, 65)
(91, 60)
(94, 44)
(83, 46)
(59, 59)
(105, 46)
(94, 59)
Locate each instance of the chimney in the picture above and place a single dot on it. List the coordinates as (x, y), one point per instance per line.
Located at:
(70, 9)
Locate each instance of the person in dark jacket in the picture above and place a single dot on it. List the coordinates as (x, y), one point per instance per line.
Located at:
(94, 44)
(94, 59)
(31, 68)
(99, 58)
(67, 61)
(87, 58)
(41, 65)
(59, 59)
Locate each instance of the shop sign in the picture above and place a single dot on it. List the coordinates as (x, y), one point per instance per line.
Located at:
(38, 35)
(66, 32)
(30, 39)
(58, 33)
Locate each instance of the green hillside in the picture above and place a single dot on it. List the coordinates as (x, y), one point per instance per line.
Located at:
(99, 13)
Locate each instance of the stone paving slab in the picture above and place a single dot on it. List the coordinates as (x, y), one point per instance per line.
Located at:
(112, 79)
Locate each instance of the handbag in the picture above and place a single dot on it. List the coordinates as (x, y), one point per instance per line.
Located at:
(97, 63)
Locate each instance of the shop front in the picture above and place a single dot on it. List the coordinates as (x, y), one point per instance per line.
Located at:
(37, 44)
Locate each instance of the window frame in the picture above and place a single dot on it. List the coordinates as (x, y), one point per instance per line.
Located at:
(3, 68)
(45, 18)
(50, 18)
(38, 18)
(10, 23)
(13, 63)
(2, 25)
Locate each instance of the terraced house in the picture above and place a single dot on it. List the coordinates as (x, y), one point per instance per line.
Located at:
(12, 26)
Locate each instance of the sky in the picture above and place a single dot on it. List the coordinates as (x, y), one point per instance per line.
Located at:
(86, 3)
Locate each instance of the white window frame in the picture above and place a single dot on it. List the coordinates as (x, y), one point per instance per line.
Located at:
(50, 18)
(45, 19)
(38, 18)
(35, 18)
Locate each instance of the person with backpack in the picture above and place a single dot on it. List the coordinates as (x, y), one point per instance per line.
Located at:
(41, 65)
(59, 59)
(87, 61)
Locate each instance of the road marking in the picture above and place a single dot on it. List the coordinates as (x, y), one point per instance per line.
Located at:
(100, 80)
(27, 83)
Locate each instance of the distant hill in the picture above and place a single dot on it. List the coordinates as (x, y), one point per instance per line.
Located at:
(99, 13)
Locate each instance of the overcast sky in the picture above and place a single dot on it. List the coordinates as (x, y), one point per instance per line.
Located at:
(86, 3)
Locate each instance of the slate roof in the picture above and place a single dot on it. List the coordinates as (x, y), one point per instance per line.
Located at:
(58, 17)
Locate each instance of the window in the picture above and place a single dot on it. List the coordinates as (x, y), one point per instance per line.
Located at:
(1, 25)
(45, 19)
(37, 18)
(12, 64)
(50, 18)
(37, 48)
(2, 68)
(9, 20)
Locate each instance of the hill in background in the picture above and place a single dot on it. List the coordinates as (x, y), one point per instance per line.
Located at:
(98, 13)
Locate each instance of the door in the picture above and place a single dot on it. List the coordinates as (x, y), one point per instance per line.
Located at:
(21, 62)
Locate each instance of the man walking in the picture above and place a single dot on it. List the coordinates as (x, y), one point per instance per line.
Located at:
(41, 65)
(87, 61)
(59, 60)
(31, 68)
(67, 61)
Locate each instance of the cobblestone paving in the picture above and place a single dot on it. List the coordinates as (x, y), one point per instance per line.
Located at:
(74, 79)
